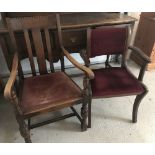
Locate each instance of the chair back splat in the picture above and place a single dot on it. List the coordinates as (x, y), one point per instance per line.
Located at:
(108, 40)
(37, 38)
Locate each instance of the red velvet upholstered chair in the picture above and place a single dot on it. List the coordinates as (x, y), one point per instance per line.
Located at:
(114, 81)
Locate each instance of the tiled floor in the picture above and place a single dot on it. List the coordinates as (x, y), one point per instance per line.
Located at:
(111, 120)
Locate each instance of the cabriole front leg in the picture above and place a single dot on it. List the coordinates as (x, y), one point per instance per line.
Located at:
(136, 105)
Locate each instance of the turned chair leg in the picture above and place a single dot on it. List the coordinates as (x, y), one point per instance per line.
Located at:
(137, 102)
(89, 114)
(24, 131)
(84, 114)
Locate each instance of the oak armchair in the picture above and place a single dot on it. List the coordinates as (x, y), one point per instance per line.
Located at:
(44, 91)
(114, 81)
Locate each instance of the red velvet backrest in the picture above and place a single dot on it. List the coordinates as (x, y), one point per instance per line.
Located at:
(108, 40)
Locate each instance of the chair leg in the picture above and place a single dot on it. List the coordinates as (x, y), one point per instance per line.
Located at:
(24, 131)
(1, 85)
(89, 114)
(84, 114)
(137, 102)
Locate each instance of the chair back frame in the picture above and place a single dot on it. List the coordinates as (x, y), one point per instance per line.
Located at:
(37, 38)
(124, 54)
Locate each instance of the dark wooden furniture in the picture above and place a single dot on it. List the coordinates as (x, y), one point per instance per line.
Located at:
(114, 81)
(48, 91)
(73, 26)
(1, 85)
(145, 38)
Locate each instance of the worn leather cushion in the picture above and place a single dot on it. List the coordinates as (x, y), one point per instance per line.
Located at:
(114, 82)
(48, 91)
(106, 41)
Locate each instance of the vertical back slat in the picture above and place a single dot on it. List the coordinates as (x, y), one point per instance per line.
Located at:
(125, 54)
(48, 44)
(39, 48)
(35, 40)
(15, 47)
(29, 49)
(60, 41)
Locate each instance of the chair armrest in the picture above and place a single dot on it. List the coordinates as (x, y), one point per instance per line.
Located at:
(8, 92)
(85, 69)
(140, 53)
(145, 58)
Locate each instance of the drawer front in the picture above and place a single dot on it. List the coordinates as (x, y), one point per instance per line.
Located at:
(74, 40)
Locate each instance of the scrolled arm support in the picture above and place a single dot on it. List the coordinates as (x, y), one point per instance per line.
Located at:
(140, 53)
(88, 72)
(144, 57)
(9, 93)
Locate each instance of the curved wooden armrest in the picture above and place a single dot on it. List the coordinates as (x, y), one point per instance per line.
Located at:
(140, 53)
(8, 93)
(144, 57)
(85, 69)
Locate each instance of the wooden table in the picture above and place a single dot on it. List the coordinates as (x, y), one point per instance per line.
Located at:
(74, 27)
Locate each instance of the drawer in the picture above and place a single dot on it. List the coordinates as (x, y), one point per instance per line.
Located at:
(74, 39)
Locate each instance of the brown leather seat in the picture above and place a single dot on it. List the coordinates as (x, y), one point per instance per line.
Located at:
(47, 92)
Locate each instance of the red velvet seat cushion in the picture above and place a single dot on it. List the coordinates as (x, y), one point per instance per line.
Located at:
(48, 92)
(114, 81)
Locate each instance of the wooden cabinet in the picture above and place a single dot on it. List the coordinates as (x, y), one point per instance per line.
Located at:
(145, 38)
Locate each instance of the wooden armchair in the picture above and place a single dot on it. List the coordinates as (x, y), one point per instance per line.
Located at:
(114, 81)
(45, 91)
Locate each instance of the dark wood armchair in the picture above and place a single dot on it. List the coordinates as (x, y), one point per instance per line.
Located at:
(114, 81)
(1, 85)
(45, 91)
